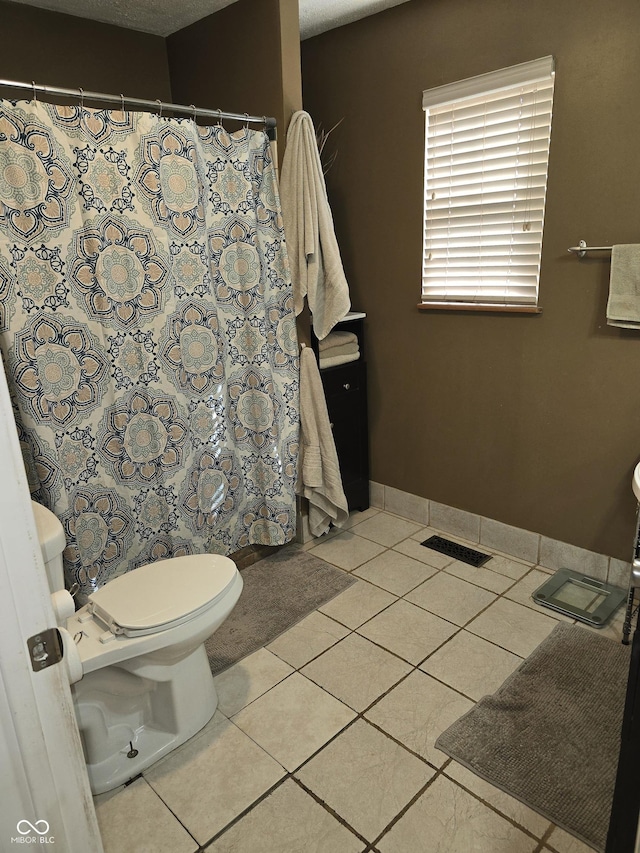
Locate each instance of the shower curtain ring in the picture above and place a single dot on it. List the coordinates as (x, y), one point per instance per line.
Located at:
(35, 96)
(220, 118)
(264, 119)
(246, 123)
(81, 90)
(159, 102)
(122, 102)
(195, 111)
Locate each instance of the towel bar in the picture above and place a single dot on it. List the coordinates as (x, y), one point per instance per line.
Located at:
(581, 249)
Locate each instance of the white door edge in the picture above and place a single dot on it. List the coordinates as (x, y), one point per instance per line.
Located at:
(45, 787)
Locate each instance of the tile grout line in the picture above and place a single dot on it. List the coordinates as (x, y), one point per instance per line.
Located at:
(495, 809)
(246, 811)
(545, 839)
(360, 715)
(502, 594)
(331, 811)
(402, 598)
(415, 667)
(406, 808)
(540, 841)
(165, 804)
(456, 625)
(441, 771)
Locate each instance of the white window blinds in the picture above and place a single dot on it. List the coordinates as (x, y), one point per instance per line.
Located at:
(486, 156)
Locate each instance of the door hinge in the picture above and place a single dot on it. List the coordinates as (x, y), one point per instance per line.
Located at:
(45, 649)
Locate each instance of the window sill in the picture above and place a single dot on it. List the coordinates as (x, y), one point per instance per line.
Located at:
(471, 306)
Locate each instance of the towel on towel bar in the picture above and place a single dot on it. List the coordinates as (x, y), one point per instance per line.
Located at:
(623, 307)
(319, 478)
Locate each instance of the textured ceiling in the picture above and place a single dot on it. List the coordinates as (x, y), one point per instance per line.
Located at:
(163, 17)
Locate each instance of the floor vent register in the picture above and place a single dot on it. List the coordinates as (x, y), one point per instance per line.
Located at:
(457, 551)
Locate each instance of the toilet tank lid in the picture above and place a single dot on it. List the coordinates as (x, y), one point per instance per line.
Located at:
(165, 591)
(50, 532)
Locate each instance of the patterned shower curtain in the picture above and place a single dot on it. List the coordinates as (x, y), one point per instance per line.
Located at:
(148, 333)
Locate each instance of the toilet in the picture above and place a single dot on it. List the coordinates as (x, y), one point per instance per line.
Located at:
(135, 654)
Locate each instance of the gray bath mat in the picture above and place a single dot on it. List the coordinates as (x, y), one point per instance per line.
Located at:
(278, 591)
(550, 735)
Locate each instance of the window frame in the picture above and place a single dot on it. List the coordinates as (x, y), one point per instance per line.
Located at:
(495, 84)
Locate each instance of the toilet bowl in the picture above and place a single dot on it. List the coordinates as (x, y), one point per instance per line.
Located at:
(136, 653)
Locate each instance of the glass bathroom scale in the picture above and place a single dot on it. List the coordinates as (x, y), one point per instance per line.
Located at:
(587, 599)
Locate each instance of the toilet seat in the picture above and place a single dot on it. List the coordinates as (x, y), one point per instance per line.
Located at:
(135, 655)
(163, 594)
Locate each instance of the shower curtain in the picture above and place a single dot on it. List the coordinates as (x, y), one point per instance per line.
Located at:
(148, 333)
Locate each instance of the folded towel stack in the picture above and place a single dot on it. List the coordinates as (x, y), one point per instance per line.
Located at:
(623, 307)
(338, 348)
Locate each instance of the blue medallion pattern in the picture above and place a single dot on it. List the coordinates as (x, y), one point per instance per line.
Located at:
(118, 270)
(99, 531)
(236, 267)
(207, 425)
(155, 511)
(39, 276)
(148, 334)
(163, 548)
(37, 189)
(254, 409)
(7, 304)
(169, 179)
(96, 125)
(142, 437)
(43, 475)
(76, 454)
(102, 187)
(192, 349)
(58, 370)
(190, 269)
(213, 491)
(247, 340)
(133, 359)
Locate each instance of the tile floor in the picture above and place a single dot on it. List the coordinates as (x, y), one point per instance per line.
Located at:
(323, 741)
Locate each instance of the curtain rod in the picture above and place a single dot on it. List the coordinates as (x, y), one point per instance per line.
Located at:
(268, 121)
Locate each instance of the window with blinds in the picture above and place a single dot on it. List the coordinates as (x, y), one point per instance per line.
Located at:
(486, 156)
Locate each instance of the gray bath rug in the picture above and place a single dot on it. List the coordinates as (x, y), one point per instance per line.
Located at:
(550, 735)
(279, 591)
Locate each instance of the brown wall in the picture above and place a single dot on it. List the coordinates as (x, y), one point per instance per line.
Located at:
(62, 50)
(241, 59)
(531, 420)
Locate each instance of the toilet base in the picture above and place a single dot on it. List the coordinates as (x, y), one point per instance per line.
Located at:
(131, 715)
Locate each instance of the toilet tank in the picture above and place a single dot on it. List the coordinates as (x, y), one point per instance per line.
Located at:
(52, 544)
